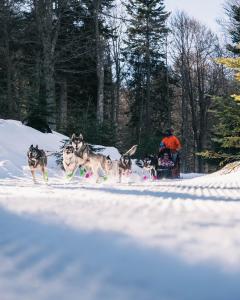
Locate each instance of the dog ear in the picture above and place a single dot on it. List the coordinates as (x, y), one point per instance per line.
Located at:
(36, 147)
(80, 136)
(31, 146)
(73, 136)
(131, 151)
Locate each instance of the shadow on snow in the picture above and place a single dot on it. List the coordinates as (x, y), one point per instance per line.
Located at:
(46, 261)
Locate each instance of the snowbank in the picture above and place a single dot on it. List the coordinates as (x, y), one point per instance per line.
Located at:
(15, 141)
(233, 167)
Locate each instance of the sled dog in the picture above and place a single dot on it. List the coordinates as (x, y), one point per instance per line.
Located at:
(150, 164)
(125, 163)
(98, 163)
(70, 161)
(37, 160)
(78, 143)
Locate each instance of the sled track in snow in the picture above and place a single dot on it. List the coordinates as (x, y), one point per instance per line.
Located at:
(118, 241)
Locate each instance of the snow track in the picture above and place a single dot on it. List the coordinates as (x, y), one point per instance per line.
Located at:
(160, 240)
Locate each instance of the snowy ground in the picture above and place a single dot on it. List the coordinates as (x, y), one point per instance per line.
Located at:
(167, 240)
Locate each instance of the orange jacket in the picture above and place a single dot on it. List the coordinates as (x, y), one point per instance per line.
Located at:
(172, 143)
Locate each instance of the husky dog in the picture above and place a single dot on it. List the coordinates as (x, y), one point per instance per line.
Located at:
(37, 160)
(77, 142)
(150, 164)
(125, 163)
(107, 164)
(98, 163)
(70, 161)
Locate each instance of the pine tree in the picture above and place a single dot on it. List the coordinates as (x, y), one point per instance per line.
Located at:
(226, 131)
(11, 40)
(233, 63)
(145, 52)
(233, 12)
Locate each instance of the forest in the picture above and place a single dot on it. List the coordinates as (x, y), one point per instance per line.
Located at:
(122, 73)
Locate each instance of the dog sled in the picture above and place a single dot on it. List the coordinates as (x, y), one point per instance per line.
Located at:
(163, 165)
(168, 166)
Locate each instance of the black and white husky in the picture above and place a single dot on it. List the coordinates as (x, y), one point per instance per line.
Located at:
(98, 163)
(150, 164)
(37, 160)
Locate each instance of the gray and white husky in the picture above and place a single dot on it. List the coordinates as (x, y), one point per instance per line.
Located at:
(37, 160)
(70, 161)
(98, 163)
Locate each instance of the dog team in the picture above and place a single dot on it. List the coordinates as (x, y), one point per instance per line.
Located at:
(77, 154)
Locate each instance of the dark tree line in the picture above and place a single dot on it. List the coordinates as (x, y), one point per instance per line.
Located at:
(118, 77)
(54, 62)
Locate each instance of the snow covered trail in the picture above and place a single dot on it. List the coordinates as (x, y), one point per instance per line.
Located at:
(171, 240)
(167, 240)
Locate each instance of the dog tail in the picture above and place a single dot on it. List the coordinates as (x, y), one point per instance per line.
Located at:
(131, 151)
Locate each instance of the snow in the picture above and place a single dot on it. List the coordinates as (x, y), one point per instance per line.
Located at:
(165, 240)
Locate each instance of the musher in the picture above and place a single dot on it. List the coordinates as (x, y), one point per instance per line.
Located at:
(172, 144)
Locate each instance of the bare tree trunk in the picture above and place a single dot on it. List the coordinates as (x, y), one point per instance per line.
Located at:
(48, 70)
(100, 65)
(48, 21)
(63, 106)
(185, 128)
(167, 83)
(148, 62)
(10, 100)
(37, 77)
(9, 66)
(117, 83)
(117, 98)
(193, 107)
(116, 43)
(140, 122)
